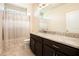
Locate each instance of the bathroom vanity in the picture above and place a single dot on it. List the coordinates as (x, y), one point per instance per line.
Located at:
(61, 22)
(43, 44)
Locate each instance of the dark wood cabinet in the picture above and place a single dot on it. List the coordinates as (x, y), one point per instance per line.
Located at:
(38, 49)
(57, 53)
(50, 48)
(36, 45)
(45, 47)
(32, 44)
(47, 51)
(63, 49)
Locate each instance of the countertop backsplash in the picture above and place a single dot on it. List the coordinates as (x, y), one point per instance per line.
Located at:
(74, 35)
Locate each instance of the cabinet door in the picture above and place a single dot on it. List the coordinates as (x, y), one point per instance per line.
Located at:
(59, 54)
(38, 48)
(47, 51)
(32, 45)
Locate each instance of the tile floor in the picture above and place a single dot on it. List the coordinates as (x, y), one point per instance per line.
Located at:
(19, 50)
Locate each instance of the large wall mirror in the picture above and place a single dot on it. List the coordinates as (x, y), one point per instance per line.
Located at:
(72, 21)
(60, 17)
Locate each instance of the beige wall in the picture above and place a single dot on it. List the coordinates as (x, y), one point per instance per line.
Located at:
(66, 7)
(57, 22)
(33, 19)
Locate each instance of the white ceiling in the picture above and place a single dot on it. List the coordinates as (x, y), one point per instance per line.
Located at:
(47, 5)
(53, 5)
(24, 5)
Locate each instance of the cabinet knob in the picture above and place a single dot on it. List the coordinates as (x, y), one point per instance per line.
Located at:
(55, 46)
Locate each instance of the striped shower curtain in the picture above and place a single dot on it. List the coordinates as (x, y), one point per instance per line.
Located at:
(16, 29)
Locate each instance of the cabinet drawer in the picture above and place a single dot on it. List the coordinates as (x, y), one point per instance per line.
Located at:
(36, 38)
(61, 47)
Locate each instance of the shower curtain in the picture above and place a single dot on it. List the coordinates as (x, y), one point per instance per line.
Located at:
(15, 29)
(1, 18)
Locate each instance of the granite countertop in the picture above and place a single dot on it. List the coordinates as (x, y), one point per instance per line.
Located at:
(73, 42)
